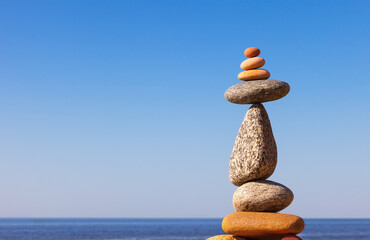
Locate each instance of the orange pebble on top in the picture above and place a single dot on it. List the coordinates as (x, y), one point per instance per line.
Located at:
(252, 52)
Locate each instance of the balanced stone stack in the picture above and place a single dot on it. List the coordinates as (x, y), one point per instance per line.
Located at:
(253, 160)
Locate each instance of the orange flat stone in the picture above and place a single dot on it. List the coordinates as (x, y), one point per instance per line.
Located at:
(277, 237)
(292, 237)
(252, 63)
(226, 237)
(262, 225)
(252, 52)
(254, 74)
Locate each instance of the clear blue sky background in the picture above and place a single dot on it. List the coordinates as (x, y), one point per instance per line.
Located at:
(116, 108)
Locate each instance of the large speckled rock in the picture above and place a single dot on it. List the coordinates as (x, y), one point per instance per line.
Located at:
(257, 91)
(262, 196)
(226, 237)
(262, 225)
(254, 156)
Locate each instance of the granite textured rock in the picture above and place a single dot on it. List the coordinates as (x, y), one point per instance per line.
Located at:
(262, 196)
(254, 155)
(257, 91)
(252, 63)
(262, 224)
(226, 237)
(254, 74)
(252, 52)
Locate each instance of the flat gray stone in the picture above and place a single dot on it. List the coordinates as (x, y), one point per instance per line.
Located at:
(257, 91)
(262, 196)
(254, 156)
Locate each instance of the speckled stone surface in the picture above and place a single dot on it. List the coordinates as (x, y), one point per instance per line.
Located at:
(226, 237)
(262, 196)
(254, 156)
(262, 224)
(257, 91)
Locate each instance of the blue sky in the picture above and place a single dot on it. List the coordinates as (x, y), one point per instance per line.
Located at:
(116, 108)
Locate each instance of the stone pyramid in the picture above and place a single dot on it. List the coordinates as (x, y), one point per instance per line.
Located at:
(253, 161)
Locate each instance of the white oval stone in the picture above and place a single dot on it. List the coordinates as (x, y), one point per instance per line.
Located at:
(262, 196)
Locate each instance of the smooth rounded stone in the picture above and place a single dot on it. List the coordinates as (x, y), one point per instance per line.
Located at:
(254, 74)
(226, 237)
(252, 63)
(262, 196)
(254, 155)
(274, 237)
(262, 225)
(257, 91)
(252, 52)
(291, 237)
(268, 237)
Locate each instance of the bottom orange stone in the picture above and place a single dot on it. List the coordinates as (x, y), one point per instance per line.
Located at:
(226, 237)
(291, 238)
(278, 237)
(262, 225)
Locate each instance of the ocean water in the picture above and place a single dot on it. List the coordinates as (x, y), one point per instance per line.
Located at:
(161, 229)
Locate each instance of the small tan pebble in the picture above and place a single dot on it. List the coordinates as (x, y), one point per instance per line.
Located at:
(254, 74)
(252, 52)
(226, 237)
(252, 63)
